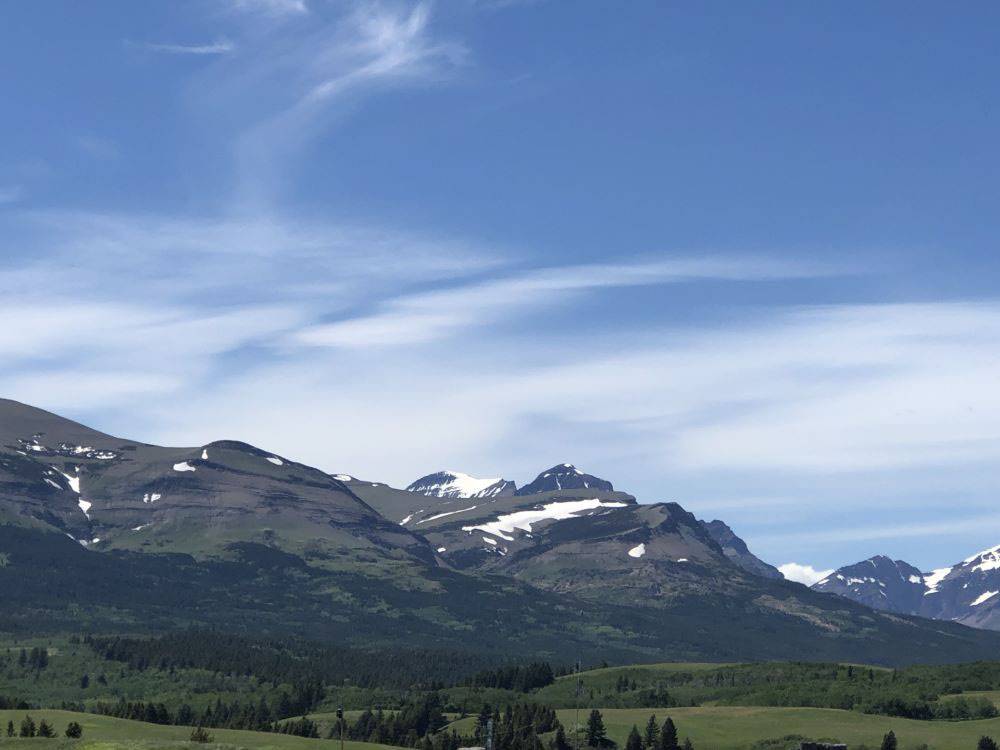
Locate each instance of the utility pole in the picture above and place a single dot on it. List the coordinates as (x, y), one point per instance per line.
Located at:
(340, 720)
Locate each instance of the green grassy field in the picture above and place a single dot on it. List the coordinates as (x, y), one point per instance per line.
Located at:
(104, 732)
(737, 728)
(710, 728)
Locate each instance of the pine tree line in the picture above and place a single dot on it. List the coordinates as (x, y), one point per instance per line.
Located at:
(653, 736)
(293, 661)
(523, 679)
(29, 729)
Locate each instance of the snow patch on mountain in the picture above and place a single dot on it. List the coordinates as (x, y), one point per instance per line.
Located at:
(448, 513)
(638, 551)
(183, 466)
(932, 579)
(503, 526)
(73, 482)
(456, 484)
(988, 559)
(983, 597)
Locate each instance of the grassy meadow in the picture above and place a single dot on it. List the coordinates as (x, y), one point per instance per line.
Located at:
(107, 732)
(738, 728)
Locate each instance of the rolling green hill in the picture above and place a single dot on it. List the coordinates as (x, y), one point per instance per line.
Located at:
(738, 728)
(107, 732)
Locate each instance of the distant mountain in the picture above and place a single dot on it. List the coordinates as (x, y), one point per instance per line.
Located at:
(967, 592)
(564, 477)
(455, 484)
(593, 543)
(110, 493)
(105, 534)
(737, 551)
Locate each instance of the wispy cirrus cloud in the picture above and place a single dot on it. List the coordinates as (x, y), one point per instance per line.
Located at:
(881, 532)
(369, 49)
(218, 47)
(430, 316)
(110, 290)
(271, 7)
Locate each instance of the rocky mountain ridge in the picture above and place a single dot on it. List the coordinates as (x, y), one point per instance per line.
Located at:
(102, 533)
(966, 592)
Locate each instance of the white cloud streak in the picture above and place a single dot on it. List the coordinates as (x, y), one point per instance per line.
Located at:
(652, 400)
(271, 7)
(218, 47)
(422, 318)
(368, 50)
(936, 529)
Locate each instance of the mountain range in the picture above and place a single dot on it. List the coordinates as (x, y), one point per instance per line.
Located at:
(99, 533)
(967, 592)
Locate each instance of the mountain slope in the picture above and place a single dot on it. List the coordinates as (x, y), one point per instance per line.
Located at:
(967, 592)
(112, 493)
(737, 551)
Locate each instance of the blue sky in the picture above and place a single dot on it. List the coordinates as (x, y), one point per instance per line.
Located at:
(741, 256)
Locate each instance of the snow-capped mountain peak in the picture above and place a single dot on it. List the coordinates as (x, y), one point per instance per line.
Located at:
(966, 592)
(988, 559)
(456, 484)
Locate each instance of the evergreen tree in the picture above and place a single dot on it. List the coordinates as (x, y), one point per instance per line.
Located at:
(889, 741)
(85, 681)
(597, 735)
(668, 736)
(634, 741)
(199, 734)
(986, 743)
(559, 741)
(10, 728)
(652, 733)
(27, 727)
(688, 745)
(74, 730)
(45, 729)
